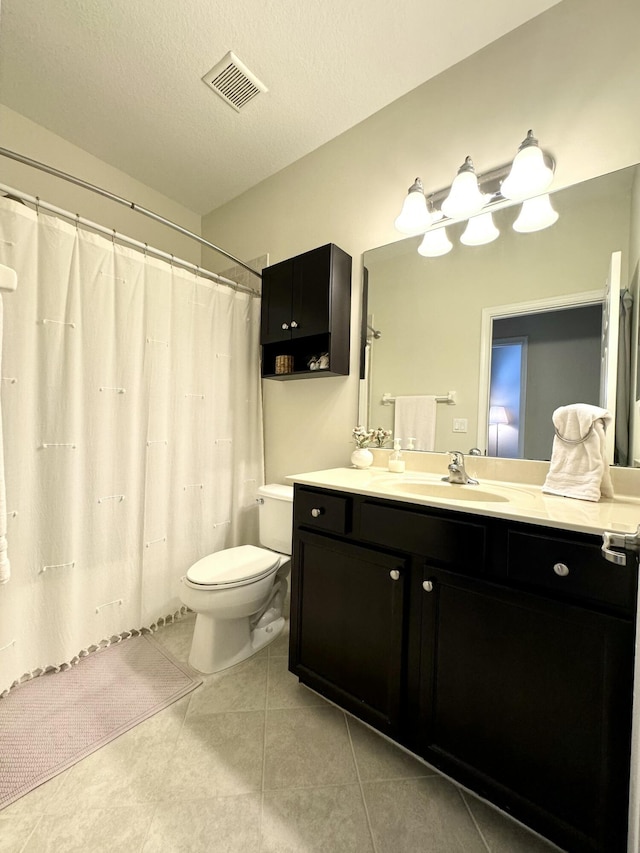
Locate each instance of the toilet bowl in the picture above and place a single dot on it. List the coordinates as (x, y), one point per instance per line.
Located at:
(238, 594)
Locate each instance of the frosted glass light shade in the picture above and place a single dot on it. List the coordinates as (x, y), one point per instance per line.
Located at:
(480, 230)
(529, 174)
(465, 198)
(536, 213)
(435, 243)
(414, 218)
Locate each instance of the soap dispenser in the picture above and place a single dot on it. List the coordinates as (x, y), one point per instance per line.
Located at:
(396, 462)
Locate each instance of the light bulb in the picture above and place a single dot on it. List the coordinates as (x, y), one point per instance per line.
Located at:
(414, 217)
(536, 213)
(480, 230)
(464, 199)
(435, 243)
(529, 173)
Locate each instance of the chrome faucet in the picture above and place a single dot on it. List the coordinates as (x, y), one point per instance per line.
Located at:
(457, 473)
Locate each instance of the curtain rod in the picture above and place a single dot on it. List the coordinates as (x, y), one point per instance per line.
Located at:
(129, 241)
(51, 170)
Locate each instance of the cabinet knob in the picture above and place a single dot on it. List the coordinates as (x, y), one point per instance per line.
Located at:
(294, 325)
(316, 512)
(285, 326)
(427, 586)
(394, 574)
(561, 570)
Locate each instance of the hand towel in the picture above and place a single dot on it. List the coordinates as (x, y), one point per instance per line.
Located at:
(5, 567)
(415, 417)
(579, 467)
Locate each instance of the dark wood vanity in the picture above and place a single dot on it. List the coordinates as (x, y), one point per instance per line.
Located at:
(501, 652)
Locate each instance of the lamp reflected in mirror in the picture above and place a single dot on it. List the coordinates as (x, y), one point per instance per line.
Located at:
(498, 417)
(435, 244)
(480, 230)
(536, 214)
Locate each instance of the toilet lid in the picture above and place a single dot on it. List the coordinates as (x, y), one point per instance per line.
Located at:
(233, 565)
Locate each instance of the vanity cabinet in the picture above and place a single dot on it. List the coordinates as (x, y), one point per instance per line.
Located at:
(500, 652)
(306, 311)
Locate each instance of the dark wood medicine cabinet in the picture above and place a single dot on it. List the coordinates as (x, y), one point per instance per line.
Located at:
(306, 312)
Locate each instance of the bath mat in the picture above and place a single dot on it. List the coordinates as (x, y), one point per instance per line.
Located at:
(51, 722)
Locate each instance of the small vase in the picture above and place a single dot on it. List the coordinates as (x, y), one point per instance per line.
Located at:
(362, 457)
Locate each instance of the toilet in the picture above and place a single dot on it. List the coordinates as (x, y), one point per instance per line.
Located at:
(238, 594)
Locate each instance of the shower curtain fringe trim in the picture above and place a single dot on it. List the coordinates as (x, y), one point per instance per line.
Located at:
(96, 647)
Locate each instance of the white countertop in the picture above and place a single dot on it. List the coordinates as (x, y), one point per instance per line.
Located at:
(519, 501)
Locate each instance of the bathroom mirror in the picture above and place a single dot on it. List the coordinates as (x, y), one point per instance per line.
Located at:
(433, 322)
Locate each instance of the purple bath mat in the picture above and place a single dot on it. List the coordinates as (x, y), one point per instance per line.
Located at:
(51, 722)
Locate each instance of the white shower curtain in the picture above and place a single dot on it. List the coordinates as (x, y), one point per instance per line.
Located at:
(132, 433)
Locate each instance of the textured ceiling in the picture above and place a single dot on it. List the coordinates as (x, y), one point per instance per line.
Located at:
(121, 79)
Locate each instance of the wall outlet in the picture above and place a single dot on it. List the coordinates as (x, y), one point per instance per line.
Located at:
(459, 424)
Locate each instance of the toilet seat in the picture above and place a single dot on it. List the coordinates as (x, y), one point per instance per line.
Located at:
(233, 567)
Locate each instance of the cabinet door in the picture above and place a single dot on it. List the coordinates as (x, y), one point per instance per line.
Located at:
(528, 701)
(311, 293)
(347, 625)
(276, 312)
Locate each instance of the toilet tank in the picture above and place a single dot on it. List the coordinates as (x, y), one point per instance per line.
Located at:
(276, 517)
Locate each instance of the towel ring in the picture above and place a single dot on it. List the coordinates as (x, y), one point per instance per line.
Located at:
(576, 440)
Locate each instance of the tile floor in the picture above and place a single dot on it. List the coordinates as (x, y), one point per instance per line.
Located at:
(253, 762)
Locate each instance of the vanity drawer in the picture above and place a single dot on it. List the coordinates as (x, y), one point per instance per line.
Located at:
(542, 560)
(321, 511)
(449, 542)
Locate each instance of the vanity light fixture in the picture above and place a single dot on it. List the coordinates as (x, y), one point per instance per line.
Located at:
(414, 218)
(531, 173)
(464, 198)
(536, 213)
(480, 230)
(435, 243)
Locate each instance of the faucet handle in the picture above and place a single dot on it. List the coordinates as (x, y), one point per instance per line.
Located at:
(457, 457)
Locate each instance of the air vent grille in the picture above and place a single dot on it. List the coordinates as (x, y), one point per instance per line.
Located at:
(233, 81)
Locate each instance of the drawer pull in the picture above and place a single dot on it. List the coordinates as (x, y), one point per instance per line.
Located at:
(427, 586)
(316, 512)
(394, 574)
(561, 570)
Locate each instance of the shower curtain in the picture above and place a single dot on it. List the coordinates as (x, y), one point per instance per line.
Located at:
(132, 434)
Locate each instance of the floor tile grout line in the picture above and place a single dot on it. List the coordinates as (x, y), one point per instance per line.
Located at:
(156, 806)
(30, 836)
(264, 758)
(473, 818)
(364, 801)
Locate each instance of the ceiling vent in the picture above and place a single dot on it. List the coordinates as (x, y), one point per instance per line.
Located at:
(233, 81)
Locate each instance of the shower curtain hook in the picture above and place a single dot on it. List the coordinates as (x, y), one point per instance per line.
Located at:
(77, 221)
(37, 206)
(113, 236)
(146, 246)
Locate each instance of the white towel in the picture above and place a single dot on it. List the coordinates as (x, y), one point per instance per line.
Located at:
(415, 417)
(5, 567)
(579, 466)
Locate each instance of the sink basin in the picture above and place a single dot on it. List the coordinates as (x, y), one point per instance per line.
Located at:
(455, 492)
(449, 491)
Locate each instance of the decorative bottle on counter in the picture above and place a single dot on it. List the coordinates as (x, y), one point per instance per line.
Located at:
(396, 462)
